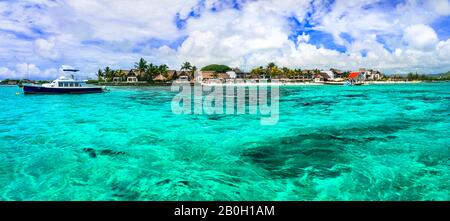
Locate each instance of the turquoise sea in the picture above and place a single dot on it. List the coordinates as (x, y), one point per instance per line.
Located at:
(379, 142)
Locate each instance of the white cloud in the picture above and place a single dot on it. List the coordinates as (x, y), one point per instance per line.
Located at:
(441, 7)
(420, 37)
(6, 73)
(28, 71)
(46, 48)
(124, 20)
(93, 34)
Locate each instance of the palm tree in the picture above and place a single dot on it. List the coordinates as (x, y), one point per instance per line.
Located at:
(150, 72)
(186, 66)
(257, 72)
(271, 65)
(285, 71)
(108, 73)
(271, 69)
(141, 66)
(163, 69)
(121, 74)
(99, 74)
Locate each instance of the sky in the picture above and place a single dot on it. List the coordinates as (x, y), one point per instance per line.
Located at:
(394, 36)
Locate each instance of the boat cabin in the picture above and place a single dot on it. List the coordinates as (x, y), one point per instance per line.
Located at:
(66, 81)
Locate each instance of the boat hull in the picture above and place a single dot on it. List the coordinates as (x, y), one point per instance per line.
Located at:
(27, 89)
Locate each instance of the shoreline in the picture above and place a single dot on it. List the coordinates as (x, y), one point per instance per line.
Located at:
(309, 83)
(252, 84)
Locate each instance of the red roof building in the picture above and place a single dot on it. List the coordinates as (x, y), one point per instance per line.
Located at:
(353, 75)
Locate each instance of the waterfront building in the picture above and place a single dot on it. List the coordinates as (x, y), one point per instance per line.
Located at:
(132, 77)
(329, 75)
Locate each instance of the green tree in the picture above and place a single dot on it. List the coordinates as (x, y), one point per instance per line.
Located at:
(121, 74)
(272, 70)
(100, 75)
(141, 66)
(186, 66)
(285, 71)
(257, 72)
(151, 71)
(163, 69)
(219, 68)
(108, 73)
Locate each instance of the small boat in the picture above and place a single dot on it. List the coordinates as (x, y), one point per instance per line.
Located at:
(65, 84)
(351, 83)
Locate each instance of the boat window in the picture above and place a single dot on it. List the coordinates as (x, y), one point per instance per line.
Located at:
(60, 84)
(66, 84)
(76, 84)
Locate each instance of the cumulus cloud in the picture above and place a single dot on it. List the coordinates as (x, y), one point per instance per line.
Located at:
(441, 7)
(392, 37)
(46, 48)
(421, 37)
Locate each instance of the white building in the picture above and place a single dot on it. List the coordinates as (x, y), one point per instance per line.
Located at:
(329, 73)
(231, 74)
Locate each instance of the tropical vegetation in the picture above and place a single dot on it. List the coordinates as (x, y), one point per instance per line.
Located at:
(187, 67)
(218, 68)
(273, 71)
(143, 70)
(146, 71)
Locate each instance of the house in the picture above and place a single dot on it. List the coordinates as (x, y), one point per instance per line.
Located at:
(366, 74)
(231, 74)
(132, 77)
(223, 76)
(138, 74)
(206, 75)
(356, 77)
(318, 78)
(307, 75)
(376, 75)
(160, 77)
(242, 75)
(327, 75)
(184, 73)
(172, 74)
(117, 79)
(337, 73)
(371, 75)
(197, 76)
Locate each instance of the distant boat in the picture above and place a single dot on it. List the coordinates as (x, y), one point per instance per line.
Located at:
(65, 84)
(351, 83)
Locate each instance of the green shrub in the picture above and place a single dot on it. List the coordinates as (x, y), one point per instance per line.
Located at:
(219, 68)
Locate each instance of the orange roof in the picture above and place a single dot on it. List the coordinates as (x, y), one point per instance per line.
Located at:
(353, 75)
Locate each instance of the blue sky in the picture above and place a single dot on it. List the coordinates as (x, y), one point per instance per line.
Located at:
(392, 36)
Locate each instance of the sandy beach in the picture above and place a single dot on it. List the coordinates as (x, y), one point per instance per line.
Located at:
(299, 83)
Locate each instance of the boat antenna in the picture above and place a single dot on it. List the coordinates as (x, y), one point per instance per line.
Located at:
(28, 71)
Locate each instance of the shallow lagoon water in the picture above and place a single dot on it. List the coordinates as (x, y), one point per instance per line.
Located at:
(380, 142)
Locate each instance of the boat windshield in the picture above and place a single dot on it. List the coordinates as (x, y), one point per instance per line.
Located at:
(70, 84)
